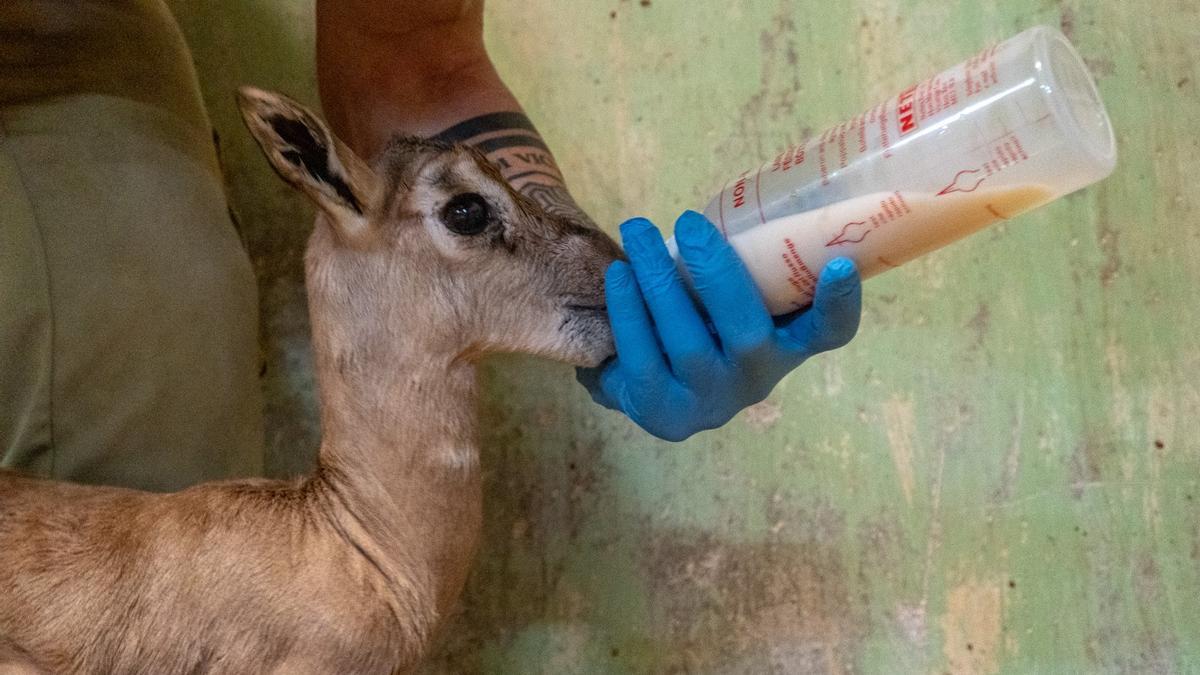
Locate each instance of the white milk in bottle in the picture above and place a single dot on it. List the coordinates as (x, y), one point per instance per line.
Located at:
(1014, 127)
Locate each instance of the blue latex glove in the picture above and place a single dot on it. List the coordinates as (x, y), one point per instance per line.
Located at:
(675, 373)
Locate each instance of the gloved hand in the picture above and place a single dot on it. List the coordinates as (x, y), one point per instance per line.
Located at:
(676, 374)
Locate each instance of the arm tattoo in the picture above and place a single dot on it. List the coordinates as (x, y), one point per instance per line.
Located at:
(555, 200)
(513, 144)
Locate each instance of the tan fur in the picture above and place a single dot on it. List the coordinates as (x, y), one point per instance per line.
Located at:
(353, 569)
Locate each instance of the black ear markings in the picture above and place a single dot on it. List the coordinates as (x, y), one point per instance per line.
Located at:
(310, 152)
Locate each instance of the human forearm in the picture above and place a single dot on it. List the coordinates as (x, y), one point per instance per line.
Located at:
(416, 68)
(389, 67)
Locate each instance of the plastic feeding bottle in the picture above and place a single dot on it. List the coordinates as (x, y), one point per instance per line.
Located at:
(1014, 127)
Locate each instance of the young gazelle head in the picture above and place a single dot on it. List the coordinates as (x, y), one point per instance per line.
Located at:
(431, 248)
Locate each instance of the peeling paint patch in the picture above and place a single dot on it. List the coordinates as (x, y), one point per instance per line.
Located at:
(835, 381)
(1112, 255)
(762, 416)
(740, 607)
(980, 323)
(1157, 649)
(901, 428)
(1100, 67)
(1085, 465)
(1012, 461)
(1067, 22)
(972, 628)
(573, 644)
(914, 624)
(1195, 553)
(1160, 422)
(1116, 360)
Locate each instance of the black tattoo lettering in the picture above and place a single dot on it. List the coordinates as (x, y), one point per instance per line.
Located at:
(512, 143)
(556, 201)
(535, 158)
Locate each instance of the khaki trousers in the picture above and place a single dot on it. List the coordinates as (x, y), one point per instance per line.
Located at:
(128, 310)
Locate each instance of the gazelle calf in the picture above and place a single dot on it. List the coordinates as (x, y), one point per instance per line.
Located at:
(418, 265)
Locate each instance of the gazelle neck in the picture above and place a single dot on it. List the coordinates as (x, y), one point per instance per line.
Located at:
(399, 460)
(399, 413)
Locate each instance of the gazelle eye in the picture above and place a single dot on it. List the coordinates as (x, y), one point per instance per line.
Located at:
(467, 214)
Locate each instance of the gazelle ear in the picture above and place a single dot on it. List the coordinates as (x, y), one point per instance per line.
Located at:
(307, 155)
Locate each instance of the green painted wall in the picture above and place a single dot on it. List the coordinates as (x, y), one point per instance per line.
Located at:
(1001, 474)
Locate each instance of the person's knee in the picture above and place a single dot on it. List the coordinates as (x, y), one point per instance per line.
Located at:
(129, 49)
